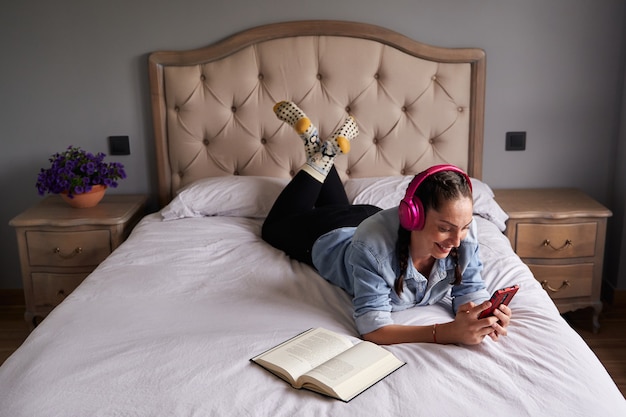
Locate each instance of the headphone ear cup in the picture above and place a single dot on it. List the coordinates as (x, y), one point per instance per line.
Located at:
(420, 218)
(411, 213)
(404, 214)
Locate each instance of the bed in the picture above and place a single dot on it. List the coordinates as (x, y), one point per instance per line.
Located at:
(167, 324)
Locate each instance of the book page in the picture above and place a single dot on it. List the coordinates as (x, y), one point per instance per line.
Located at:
(304, 352)
(353, 371)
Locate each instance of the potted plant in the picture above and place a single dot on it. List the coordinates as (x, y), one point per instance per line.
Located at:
(76, 174)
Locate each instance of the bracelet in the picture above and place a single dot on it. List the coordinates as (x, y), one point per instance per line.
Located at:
(435, 333)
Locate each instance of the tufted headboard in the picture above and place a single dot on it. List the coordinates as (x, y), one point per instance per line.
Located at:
(415, 104)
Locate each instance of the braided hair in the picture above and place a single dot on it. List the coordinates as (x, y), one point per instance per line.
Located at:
(433, 192)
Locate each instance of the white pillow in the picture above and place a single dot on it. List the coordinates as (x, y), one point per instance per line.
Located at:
(252, 196)
(386, 192)
(235, 196)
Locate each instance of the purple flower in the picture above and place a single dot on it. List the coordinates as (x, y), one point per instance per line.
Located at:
(76, 171)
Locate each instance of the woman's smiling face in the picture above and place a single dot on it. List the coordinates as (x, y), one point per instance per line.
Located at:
(443, 229)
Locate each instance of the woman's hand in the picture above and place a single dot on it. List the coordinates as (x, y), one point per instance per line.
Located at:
(503, 313)
(468, 329)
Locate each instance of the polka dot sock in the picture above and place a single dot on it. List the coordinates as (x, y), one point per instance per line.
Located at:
(318, 165)
(291, 114)
(340, 139)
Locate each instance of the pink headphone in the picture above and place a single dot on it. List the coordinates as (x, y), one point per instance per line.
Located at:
(411, 209)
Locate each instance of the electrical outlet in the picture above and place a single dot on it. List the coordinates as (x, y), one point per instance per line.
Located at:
(119, 145)
(515, 141)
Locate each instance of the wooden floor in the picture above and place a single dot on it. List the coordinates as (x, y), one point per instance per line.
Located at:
(609, 344)
(13, 330)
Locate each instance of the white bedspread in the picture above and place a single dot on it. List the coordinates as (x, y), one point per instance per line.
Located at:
(167, 324)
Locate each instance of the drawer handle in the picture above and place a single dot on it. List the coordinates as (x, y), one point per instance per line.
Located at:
(567, 244)
(546, 286)
(69, 255)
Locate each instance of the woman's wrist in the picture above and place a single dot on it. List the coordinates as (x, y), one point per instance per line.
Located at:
(441, 333)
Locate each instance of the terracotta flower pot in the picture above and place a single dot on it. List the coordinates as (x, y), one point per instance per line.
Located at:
(85, 200)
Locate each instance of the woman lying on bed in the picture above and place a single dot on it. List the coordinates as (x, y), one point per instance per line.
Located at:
(386, 259)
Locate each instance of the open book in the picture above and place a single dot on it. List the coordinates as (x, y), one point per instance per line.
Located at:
(329, 363)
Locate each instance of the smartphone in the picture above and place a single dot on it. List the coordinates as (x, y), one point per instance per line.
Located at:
(501, 296)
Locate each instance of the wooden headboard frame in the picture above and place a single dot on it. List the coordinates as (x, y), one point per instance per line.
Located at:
(415, 104)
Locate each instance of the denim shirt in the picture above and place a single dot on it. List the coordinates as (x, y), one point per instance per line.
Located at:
(362, 260)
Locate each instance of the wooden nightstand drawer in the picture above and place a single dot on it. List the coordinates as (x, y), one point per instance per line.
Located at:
(565, 281)
(83, 248)
(556, 241)
(50, 289)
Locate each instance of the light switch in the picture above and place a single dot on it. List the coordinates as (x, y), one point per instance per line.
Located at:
(119, 145)
(515, 141)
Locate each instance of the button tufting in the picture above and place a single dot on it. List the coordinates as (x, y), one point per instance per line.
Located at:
(460, 109)
(203, 77)
(233, 109)
(181, 174)
(206, 142)
(348, 172)
(319, 76)
(376, 76)
(261, 76)
(292, 172)
(404, 109)
(236, 172)
(348, 110)
(176, 109)
(434, 78)
(263, 141)
(431, 141)
(375, 141)
(403, 171)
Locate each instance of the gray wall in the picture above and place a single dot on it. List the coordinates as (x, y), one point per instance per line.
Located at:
(74, 72)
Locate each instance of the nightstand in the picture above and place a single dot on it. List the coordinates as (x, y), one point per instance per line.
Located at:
(60, 245)
(560, 234)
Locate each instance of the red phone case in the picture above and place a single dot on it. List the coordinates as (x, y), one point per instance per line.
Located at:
(501, 296)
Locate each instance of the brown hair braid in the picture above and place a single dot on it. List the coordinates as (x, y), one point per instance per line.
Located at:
(433, 192)
(402, 252)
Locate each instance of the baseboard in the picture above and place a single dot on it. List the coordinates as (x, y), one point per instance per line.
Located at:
(11, 297)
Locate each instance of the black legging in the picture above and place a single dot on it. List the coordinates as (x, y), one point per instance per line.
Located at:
(306, 209)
